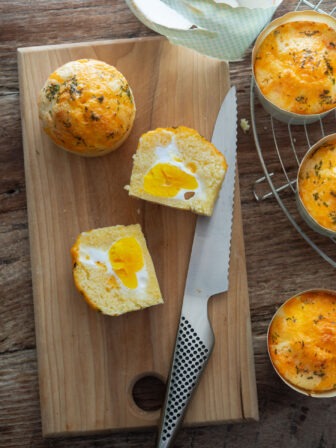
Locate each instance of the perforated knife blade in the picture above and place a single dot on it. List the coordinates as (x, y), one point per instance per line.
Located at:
(208, 274)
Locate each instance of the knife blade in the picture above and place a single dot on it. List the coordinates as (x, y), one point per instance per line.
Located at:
(208, 274)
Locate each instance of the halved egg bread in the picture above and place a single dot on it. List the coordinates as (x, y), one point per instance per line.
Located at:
(177, 167)
(114, 271)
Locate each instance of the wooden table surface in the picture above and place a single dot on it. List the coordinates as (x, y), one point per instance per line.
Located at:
(279, 262)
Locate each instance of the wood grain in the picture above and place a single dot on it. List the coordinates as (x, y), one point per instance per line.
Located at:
(88, 363)
(279, 262)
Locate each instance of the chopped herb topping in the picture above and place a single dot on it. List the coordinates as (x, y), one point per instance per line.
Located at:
(51, 91)
(274, 337)
(320, 374)
(329, 71)
(306, 57)
(301, 99)
(333, 217)
(310, 33)
(127, 90)
(325, 97)
(73, 84)
(320, 317)
(80, 140)
(94, 117)
(317, 168)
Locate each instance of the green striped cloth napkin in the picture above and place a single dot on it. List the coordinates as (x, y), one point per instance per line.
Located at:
(217, 28)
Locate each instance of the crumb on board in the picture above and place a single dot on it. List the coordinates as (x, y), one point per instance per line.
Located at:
(244, 124)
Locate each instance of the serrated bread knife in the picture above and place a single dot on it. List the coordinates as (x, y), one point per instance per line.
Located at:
(207, 276)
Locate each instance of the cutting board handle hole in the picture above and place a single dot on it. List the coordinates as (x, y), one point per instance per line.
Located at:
(148, 392)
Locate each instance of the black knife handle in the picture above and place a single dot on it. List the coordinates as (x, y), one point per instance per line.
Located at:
(191, 355)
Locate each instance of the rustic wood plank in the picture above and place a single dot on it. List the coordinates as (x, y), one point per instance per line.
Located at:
(16, 305)
(41, 22)
(279, 262)
(12, 182)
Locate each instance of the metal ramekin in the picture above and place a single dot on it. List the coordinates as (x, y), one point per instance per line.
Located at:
(327, 394)
(275, 111)
(313, 224)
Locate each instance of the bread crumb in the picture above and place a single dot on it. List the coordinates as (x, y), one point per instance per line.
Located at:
(244, 124)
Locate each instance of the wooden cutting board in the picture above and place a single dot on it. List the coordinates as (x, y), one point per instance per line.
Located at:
(89, 363)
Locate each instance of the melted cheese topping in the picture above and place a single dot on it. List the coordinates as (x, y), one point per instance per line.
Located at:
(302, 341)
(295, 67)
(317, 185)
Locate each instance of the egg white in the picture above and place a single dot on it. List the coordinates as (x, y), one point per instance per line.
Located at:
(90, 256)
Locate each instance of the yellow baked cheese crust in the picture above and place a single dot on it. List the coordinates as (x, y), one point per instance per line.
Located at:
(302, 341)
(295, 67)
(317, 185)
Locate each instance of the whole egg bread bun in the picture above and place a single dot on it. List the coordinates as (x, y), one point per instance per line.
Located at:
(113, 269)
(87, 107)
(177, 167)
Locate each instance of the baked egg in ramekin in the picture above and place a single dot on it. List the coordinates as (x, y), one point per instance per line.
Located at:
(301, 342)
(316, 186)
(294, 67)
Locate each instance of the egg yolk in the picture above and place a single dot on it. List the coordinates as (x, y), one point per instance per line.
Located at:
(167, 180)
(127, 259)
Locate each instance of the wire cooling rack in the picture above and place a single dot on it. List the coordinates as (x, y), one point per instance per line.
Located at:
(280, 148)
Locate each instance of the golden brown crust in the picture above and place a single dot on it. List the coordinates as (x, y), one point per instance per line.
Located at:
(295, 67)
(87, 107)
